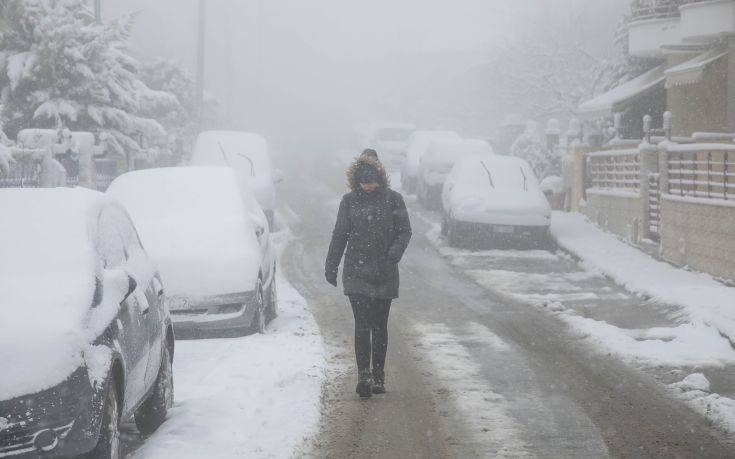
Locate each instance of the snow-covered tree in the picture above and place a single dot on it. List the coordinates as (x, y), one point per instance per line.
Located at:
(530, 147)
(180, 122)
(60, 68)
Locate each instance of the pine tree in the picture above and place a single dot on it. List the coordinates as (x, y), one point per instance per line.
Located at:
(180, 123)
(60, 68)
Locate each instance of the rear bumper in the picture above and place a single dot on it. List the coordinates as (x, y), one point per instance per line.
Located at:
(58, 422)
(215, 313)
(486, 230)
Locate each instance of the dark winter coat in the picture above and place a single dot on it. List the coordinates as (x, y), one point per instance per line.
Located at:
(375, 230)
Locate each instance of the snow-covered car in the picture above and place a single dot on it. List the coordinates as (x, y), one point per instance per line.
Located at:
(248, 154)
(417, 146)
(390, 139)
(86, 341)
(211, 243)
(437, 163)
(497, 197)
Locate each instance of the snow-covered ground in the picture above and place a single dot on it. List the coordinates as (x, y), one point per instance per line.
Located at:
(706, 315)
(701, 298)
(257, 396)
(665, 320)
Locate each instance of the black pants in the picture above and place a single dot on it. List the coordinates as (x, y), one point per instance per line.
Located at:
(371, 331)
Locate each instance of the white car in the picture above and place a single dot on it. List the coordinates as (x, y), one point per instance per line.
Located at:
(214, 254)
(419, 143)
(390, 140)
(494, 196)
(438, 161)
(247, 153)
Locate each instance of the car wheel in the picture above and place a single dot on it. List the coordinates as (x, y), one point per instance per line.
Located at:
(259, 320)
(154, 409)
(272, 299)
(108, 442)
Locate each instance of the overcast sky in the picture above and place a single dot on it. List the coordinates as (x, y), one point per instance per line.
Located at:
(293, 61)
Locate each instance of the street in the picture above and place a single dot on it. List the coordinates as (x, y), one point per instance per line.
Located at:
(473, 370)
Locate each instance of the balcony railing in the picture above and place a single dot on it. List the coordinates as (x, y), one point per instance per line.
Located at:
(655, 9)
(614, 170)
(701, 171)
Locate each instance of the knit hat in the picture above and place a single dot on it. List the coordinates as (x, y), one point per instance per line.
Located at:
(367, 173)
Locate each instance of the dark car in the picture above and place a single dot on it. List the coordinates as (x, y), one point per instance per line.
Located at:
(85, 339)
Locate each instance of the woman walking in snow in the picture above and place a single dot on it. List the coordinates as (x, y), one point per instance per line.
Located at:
(373, 225)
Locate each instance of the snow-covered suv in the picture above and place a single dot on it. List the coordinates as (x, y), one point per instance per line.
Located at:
(85, 339)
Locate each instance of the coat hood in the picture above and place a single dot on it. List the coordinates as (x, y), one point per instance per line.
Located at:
(352, 181)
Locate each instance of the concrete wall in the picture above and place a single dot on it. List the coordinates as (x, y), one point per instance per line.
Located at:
(617, 212)
(700, 235)
(701, 106)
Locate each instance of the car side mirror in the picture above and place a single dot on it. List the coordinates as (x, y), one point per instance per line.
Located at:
(278, 176)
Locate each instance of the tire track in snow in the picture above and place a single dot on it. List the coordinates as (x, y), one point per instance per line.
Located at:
(483, 411)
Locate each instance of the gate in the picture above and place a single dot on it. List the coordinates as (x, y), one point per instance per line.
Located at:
(654, 206)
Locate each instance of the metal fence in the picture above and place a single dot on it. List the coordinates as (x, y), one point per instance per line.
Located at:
(23, 173)
(105, 172)
(614, 170)
(701, 170)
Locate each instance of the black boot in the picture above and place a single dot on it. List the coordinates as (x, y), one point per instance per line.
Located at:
(364, 384)
(378, 382)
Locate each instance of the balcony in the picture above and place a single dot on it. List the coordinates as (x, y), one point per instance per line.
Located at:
(646, 37)
(705, 21)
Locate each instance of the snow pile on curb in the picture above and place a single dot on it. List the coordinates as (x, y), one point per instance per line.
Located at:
(695, 391)
(255, 396)
(701, 298)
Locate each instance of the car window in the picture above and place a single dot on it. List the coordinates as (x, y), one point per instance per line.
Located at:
(109, 241)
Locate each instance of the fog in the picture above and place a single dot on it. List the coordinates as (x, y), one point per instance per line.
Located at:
(308, 72)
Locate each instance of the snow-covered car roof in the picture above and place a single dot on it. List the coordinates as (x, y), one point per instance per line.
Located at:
(448, 151)
(420, 142)
(245, 152)
(47, 279)
(195, 225)
(496, 181)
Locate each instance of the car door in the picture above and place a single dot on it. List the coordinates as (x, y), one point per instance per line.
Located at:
(152, 295)
(133, 334)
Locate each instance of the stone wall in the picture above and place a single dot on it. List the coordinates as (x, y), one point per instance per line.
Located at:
(619, 212)
(700, 234)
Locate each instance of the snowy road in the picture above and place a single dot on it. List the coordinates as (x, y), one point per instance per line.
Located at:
(477, 366)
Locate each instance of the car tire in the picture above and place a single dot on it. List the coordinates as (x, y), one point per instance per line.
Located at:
(108, 442)
(272, 311)
(260, 320)
(153, 411)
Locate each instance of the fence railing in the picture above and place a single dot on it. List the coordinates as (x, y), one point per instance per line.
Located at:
(701, 170)
(105, 172)
(655, 9)
(25, 172)
(614, 170)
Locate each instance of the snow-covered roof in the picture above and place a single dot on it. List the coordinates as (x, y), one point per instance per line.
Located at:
(692, 71)
(608, 103)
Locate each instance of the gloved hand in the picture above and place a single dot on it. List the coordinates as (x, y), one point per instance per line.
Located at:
(331, 277)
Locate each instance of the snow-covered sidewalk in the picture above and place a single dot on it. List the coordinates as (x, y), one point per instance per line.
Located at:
(257, 396)
(702, 299)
